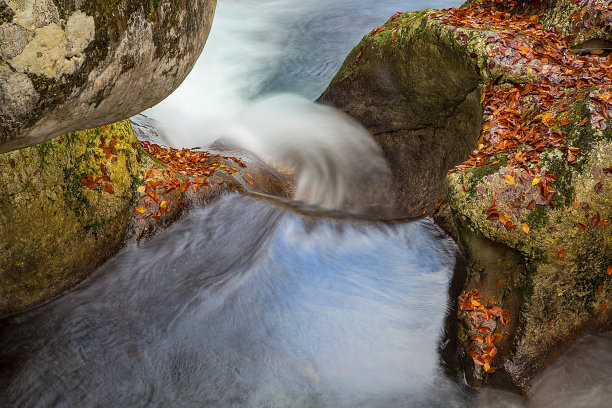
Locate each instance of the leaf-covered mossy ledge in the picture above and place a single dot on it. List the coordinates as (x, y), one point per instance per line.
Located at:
(538, 185)
(72, 202)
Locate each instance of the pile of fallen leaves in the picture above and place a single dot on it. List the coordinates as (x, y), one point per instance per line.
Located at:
(485, 319)
(522, 121)
(161, 185)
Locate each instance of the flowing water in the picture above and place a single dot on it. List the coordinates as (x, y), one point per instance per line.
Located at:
(253, 302)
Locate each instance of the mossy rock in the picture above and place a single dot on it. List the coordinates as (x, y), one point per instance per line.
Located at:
(68, 65)
(53, 229)
(417, 91)
(420, 84)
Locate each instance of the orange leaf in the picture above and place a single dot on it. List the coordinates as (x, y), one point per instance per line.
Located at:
(140, 209)
(582, 122)
(478, 339)
(604, 307)
(561, 254)
(609, 270)
(550, 322)
(500, 284)
(494, 300)
(525, 228)
(497, 337)
(600, 288)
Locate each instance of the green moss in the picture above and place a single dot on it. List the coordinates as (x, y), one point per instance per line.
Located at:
(478, 173)
(44, 150)
(538, 217)
(95, 226)
(564, 172)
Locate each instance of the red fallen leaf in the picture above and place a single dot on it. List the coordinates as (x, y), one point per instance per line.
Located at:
(114, 160)
(571, 157)
(531, 205)
(462, 37)
(182, 205)
(585, 206)
(103, 168)
(595, 220)
(500, 284)
(561, 254)
(509, 226)
(101, 179)
(608, 170)
(12, 162)
(550, 322)
(109, 189)
(600, 288)
(465, 187)
(36, 172)
(581, 226)
(483, 329)
(220, 181)
(598, 187)
(473, 55)
(603, 307)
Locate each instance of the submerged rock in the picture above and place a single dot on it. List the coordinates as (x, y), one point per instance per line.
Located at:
(71, 203)
(67, 66)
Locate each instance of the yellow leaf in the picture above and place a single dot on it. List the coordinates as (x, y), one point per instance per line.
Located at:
(482, 97)
(525, 228)
(141, 189)
(140, 209)
(547, 117)
(509, 179)
(485, 127)
(504, 218)
(163, 204)
(536, 180)
(475, 303)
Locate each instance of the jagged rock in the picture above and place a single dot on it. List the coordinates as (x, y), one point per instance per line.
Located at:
(70, 203)
(73, 65)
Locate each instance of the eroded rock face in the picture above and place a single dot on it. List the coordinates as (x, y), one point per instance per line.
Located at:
(72, 65)
(417, 92)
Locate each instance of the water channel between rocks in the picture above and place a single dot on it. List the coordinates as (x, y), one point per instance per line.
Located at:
(250, 303)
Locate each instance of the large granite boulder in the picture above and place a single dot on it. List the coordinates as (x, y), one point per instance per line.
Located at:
(70, 203)
(73, 65)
